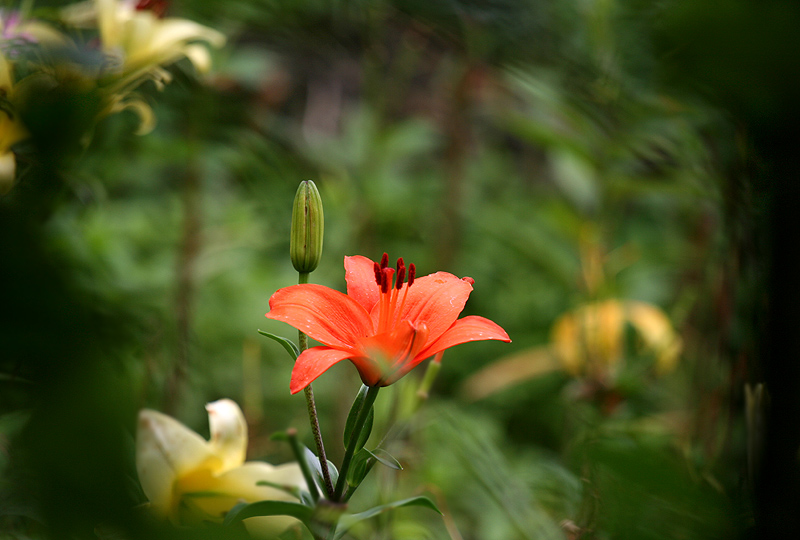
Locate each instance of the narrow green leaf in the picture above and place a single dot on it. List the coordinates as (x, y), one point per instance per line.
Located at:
(358, 467)
(291, 490)
(384, 457)
(347, 521)
(334, 472)
(268, 508)
(316, 469)
(288, 344)
(279, 436)
(351, 420)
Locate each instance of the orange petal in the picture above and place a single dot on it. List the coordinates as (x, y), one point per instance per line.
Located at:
(330, 317)
(360, 276)
(312, 363)
(390, 356)
(435, 300)
(472, 328)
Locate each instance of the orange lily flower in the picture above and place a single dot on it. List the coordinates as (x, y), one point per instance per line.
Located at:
(384, 325)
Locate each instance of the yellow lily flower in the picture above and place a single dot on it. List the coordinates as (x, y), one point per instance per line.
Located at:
(140, 42)
(138, 45)
(189, 480)
(589, 342)
(590, 338)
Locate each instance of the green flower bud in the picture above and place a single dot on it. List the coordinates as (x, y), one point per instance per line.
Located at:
(308, 224)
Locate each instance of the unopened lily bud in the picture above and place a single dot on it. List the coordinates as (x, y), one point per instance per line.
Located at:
(308, 224)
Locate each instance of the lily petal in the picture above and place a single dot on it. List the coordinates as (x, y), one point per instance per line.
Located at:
(314, 362)
(228, 433)
(359, 274)
(471, 328)
(330, 317)
(435, 300)
(166, 450)
(212, 497)
(219, 494)
(391, 356)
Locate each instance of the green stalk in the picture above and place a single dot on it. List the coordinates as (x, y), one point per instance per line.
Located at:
(312, 411)
(369, 400)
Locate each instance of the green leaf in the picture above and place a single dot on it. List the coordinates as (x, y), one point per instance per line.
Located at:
(384, 457)
(288, 344)
(359, 467)
(279, 436)
(316, 469)
(353, 416)
(347, 521)
(268, 508)
(291, 490)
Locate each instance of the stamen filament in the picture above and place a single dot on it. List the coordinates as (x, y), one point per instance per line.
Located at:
(399, 310)
(392, 305)
(385, 301)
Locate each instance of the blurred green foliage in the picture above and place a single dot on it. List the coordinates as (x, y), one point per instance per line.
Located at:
(534, 146)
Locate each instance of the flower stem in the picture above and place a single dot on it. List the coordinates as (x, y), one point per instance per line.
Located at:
(369, 400)
(312, 411)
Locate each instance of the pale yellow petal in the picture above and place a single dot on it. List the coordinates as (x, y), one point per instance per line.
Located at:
(565, 338)
(165, 451)
(173, 31)
(657, 333)
(269, 527)
(199, 56)
(8, 167)
(610, 323)
(110, 19)
(211, 497)
(228, 433)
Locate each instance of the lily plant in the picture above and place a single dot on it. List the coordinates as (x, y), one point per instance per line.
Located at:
(387, 324)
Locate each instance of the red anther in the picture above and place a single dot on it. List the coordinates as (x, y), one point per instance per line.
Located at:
(412, 271)
(400, 263)
(378, 274)
(386, 279)
(384, 260)
(468, 280)
(401, 275)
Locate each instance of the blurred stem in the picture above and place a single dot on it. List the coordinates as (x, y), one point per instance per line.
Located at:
(189, 249)
(587, 512)
(312, 411)
(369, 400)
(431, 372)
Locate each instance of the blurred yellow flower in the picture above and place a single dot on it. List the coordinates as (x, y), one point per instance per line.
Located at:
(138, 45)
(588, 341)
(189, 480)
(11, 129)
